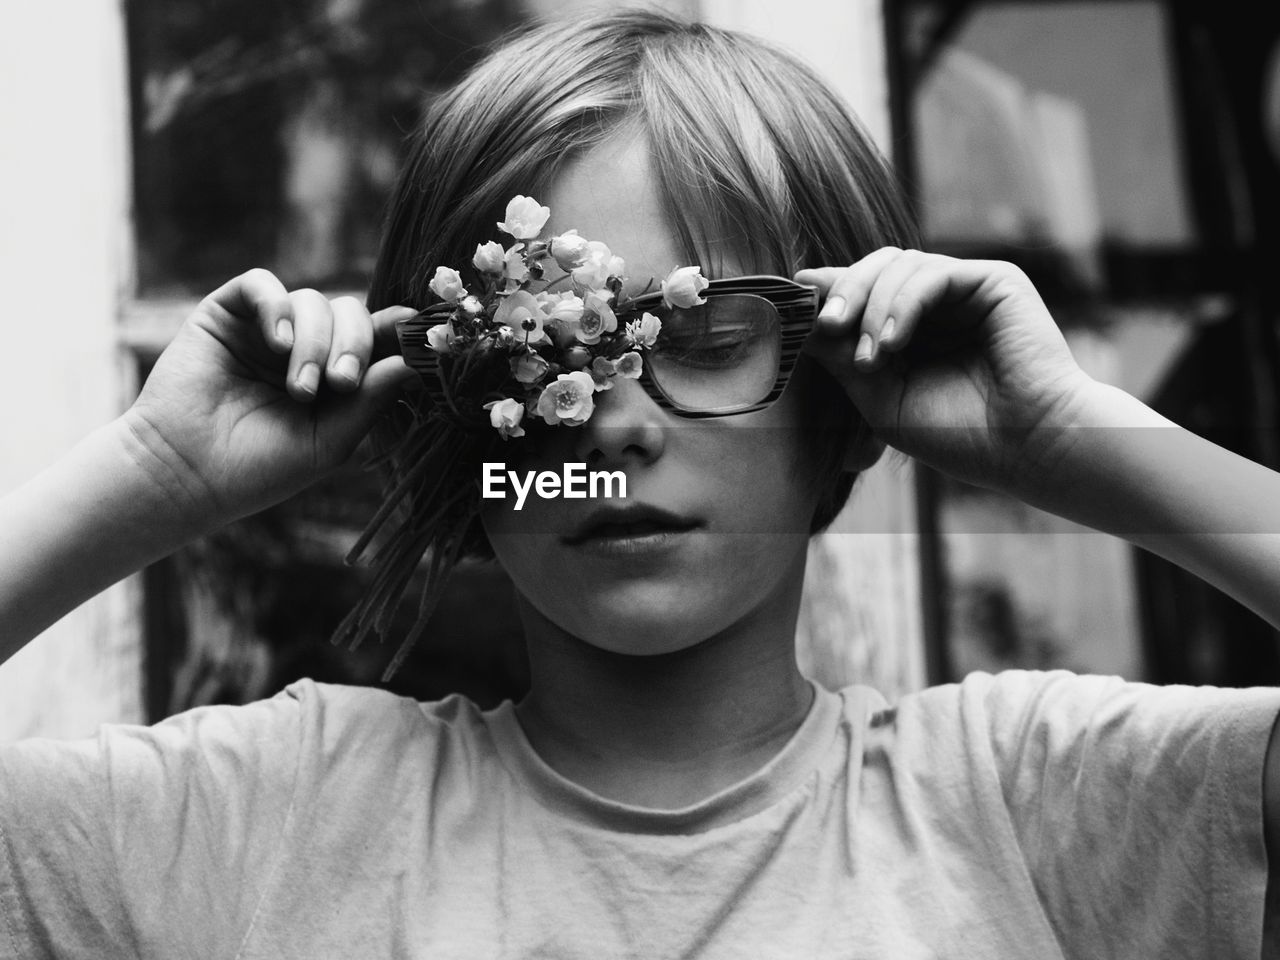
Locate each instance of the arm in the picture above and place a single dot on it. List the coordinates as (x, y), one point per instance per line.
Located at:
(1123, 469)
(103, 511)
(261, 393)
(959, 363)
(974, 378)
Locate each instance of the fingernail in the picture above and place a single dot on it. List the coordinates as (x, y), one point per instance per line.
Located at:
(887, 330)
(832, 309)
(348, 367)
(864, 348)
(284, 331)
(309, 377)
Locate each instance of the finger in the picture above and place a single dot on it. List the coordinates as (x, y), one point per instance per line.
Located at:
(351, 344)
(385, 341)
(258, 295)
(878, 320)
(383, 382)
(847, 290)
(934, 281)
(313, 332)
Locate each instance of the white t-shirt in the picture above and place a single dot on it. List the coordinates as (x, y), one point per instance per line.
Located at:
(1022, 815)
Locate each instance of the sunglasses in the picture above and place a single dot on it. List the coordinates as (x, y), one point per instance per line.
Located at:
(733, 354)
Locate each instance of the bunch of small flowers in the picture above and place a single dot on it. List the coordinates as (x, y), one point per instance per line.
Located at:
(528, 349)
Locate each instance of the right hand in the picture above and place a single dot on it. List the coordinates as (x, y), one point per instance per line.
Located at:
(256, 398)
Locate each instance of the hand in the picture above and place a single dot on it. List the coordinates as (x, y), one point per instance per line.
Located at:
(262, 392)
(955, 362)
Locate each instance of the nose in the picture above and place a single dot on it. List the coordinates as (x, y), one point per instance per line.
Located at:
(625, 425)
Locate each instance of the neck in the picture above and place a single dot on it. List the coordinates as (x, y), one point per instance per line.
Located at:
(669, 729)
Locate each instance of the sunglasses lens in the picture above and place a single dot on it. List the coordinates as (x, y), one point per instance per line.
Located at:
(720, 356)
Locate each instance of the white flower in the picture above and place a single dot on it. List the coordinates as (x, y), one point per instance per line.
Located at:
(568, 400)
(505, 416)
(597, 319)
(525, 218)
(644, 332)
(440, 337)
(616, 266)
(471, 306)
(594, 270)
(683, 286)
(514, 266)
(522, 313)
(569, 249)
(489, 257)
(447, 284)
(529, 367)
(629, 366)
(566, 307)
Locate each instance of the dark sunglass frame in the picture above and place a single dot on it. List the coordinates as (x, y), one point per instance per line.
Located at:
(797, 306)
(796, 303)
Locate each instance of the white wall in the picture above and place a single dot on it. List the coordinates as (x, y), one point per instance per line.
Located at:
(842, 39)
(64, 262)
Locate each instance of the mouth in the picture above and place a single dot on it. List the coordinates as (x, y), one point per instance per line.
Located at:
(633, 523)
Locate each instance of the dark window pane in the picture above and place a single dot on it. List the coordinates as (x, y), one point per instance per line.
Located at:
(1051, 129)
(270, 134)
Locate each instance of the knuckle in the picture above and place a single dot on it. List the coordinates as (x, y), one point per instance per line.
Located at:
(308, 295)
(349, 304)
(259, 276)
(1005, 270)
(312, 347)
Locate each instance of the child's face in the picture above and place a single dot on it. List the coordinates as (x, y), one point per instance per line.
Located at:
(734, 490)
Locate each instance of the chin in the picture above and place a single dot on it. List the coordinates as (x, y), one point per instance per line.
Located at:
(644, 622)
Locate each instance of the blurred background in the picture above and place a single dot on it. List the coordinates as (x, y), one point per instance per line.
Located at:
(1126, 153)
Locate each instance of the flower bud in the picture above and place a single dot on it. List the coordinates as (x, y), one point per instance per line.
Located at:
(575, 358)
(447, 284)
(489, 257)
(525, 218)
(569, 250)
(683, 287)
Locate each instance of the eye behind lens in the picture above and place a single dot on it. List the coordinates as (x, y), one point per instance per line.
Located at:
(723, 354)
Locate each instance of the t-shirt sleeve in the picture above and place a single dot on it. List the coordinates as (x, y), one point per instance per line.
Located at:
(145, 841)
(1138, 807)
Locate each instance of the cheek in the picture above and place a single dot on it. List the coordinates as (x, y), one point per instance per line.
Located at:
(772, 465)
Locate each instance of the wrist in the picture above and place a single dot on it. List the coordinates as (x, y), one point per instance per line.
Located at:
(170, 486)
(1094, 465)
(101, 512)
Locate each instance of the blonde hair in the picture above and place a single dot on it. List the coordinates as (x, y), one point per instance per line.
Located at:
(750, 149)
(747, 142)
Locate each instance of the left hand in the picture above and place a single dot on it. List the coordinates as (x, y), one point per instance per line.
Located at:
(967, 370)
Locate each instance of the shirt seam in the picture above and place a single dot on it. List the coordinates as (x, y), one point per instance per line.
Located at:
(984, 739)
(107, 828)
(514, 769)
(285, 832)
(1227, 825)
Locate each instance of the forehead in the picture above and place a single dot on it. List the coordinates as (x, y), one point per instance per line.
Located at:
(610, 194)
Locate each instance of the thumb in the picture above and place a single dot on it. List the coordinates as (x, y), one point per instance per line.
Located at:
(824, 278)
(384, 377)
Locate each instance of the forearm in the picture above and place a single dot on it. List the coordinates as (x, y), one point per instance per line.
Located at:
(98, 514)
(1126, 470)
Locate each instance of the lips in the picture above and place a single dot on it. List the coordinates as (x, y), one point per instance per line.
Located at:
(628, 523)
